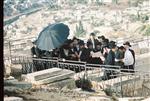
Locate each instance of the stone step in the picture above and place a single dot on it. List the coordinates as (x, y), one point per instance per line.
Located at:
(13, 99)
(64, 75)
(11, 90)
(20, 84)
(43, 74)
(48, 76)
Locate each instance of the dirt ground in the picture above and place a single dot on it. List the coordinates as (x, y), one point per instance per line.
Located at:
(54, 94)
(59, 91)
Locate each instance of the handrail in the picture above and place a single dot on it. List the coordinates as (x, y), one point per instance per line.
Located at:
(70, 62)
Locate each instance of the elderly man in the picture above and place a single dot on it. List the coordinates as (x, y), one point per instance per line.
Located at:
(129, 58)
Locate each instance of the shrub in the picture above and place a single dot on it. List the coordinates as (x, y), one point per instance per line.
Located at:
(84, 84)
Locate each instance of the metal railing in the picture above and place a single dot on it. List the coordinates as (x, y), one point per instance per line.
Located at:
(103, 77)
(123, 84)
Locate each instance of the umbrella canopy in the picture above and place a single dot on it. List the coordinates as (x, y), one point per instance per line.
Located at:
(52, 36)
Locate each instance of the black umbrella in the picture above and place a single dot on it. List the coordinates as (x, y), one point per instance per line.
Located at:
(52, 36)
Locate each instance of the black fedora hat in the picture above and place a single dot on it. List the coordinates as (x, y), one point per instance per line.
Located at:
(81, 43)
(112, 44)
(121, 47)
(127, 43)
(92, 34)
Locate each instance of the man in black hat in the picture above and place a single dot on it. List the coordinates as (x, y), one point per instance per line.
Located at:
(84, 53)
(104, 47)
(65, 50)
(129, 58)
(119, 55)
(35, 50)
(92, 40)
(110, 60)
(97, 57)
(101, 38)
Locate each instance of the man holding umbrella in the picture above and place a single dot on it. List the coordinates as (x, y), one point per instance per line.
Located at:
(52, 37)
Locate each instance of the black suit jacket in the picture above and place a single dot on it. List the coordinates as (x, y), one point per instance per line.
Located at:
(63, 55)
(36, 51)
(85, 55)
(133, 53)
(95, 41)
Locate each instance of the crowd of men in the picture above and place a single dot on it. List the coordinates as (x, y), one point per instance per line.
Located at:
(97, 50)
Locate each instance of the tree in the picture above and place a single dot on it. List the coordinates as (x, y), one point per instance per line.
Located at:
(80, 30)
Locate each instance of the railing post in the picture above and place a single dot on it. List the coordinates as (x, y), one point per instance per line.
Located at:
(121, 82)
(85, 71)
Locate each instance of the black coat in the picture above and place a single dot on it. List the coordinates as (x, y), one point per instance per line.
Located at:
(33, 51)
(133, 53)
(36, 51)
(96, 60)
(102, 50)
(73, 51)
(67, 57)
(110, 59)
(76, 50)
(85, 55)
(63, 55)
(95, 42)
(119, 55)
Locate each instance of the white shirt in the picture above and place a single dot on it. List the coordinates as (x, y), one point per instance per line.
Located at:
(97, 54)
(128, 58)
(93, 43)
(66, 52)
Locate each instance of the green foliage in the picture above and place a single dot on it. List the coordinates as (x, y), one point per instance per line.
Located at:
(145, 30)
(108, 91)
(144, 18)
(80, 30)
(115, 1)
(84, 84)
